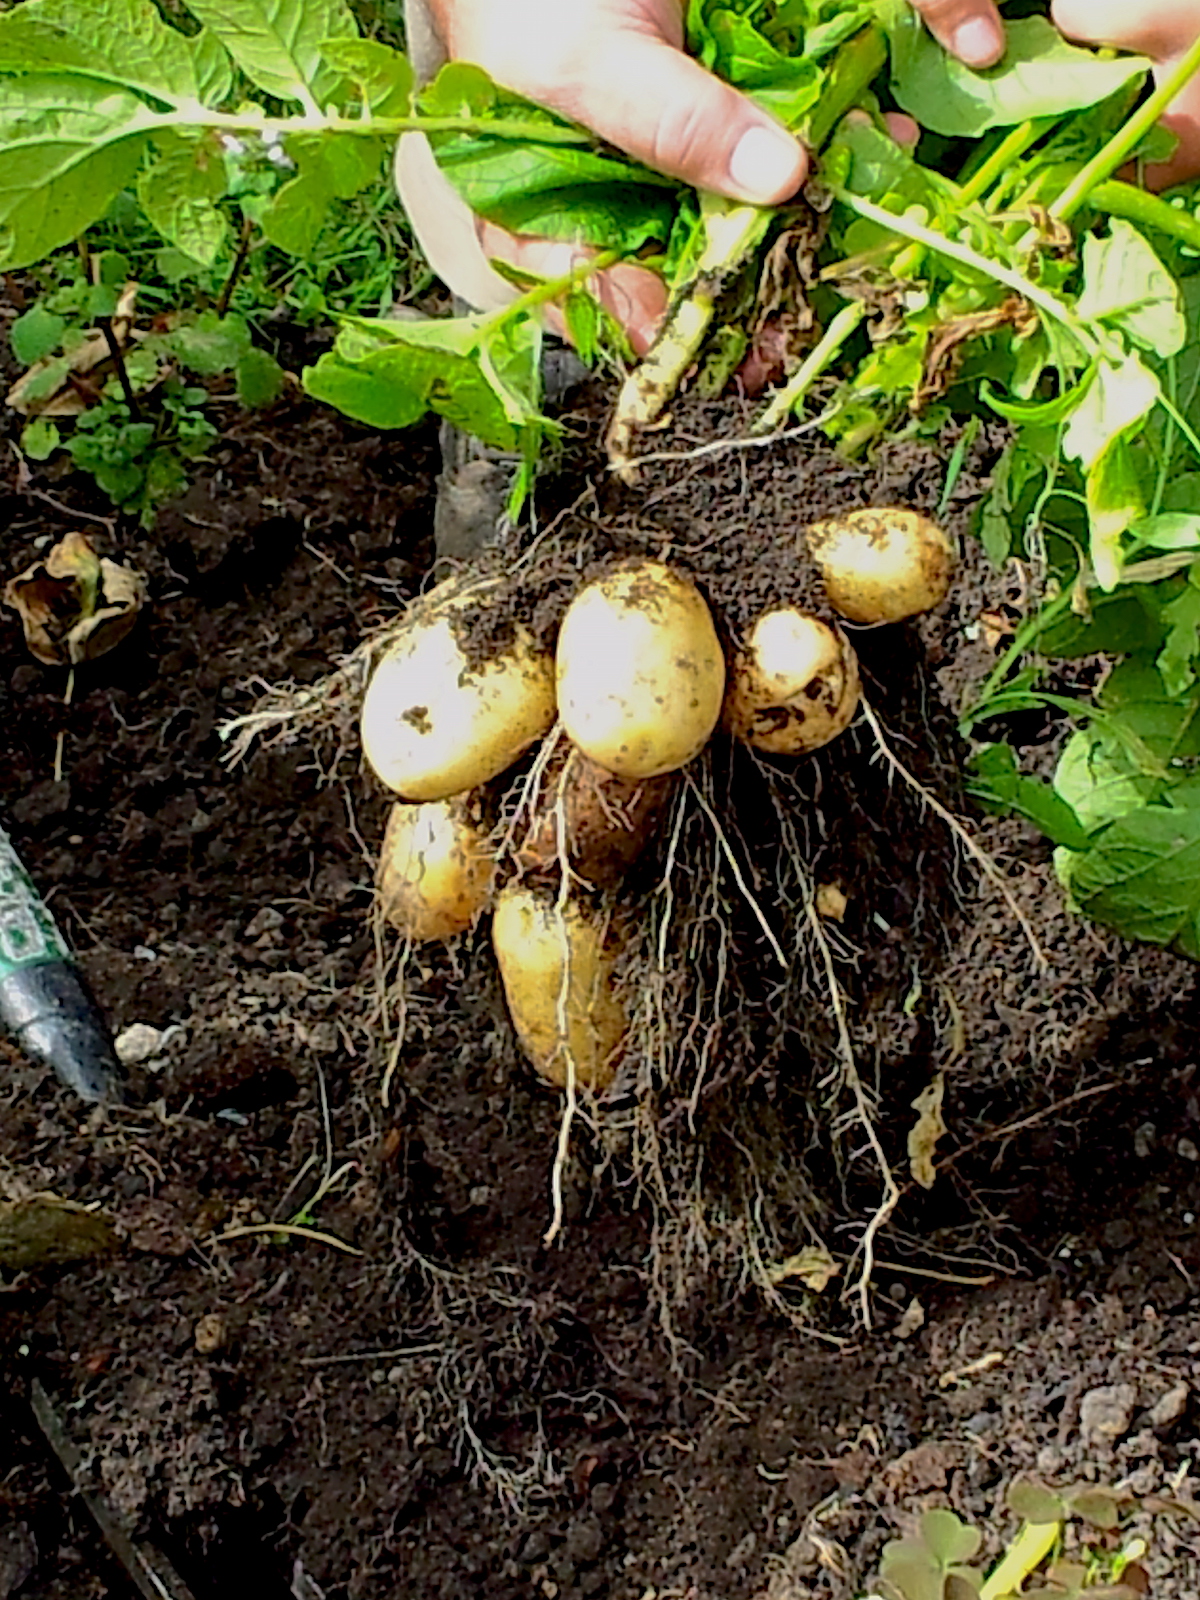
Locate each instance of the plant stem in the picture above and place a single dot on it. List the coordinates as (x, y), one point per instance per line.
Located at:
(1126, 140)
(259, 122)
(1045, 302)
(857, 64)
(1011, 148)
(1118, 199)
(235, 271)
(554, 288)
(1030, 630)
(822, 355)
(114, 350)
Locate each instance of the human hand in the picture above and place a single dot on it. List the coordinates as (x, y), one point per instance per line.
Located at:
(1164, 30)
(618, 67)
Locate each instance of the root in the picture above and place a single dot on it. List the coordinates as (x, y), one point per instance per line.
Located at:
(563, 1149)
(891, 1193)
(980, 856)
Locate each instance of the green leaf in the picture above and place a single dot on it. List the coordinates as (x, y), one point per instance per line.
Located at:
(1126, 286)
(948, 1539)
(1177, 660)
(329, 168)
(785, 83)
(210, 344)
(1142, 874)
(1041, 75)
(277, 43)
(40, 439)
(259, 379)
(908, 1565)
(179, 191)
(69, 148)
(478, 373)
(1114, 501)
(1117, 395)
(997, 783)
(383, 75)
(556, 191)
(1170, 530)
(1032, 1502)
(36, 334)
(122, 42)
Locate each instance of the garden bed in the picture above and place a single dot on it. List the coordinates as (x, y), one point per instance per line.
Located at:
(455, 1409)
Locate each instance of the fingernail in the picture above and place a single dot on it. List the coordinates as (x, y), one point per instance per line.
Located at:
(766, 165)
(977, 43)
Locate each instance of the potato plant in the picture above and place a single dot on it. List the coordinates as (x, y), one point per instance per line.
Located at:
(1004, 268)
(642, 685)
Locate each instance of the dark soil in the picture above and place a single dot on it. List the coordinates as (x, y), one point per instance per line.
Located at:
(455, 1410)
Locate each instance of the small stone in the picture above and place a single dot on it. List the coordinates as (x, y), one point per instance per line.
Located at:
(1050, 1461)
(1188, 1150)
(210, 1334)
(585, 1539)
(1143, 1139)
(912, 1320)
(137, 1043)
(534, 1549)
(266, 921)
(1168, 1408)
(1107, 1412)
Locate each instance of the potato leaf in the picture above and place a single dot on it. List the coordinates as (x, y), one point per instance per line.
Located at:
(36, 334)
(999, 785)
(383, 75)
(1142, 874)
(70, 146)
(123, 42)
(278, 43)
(1040, 75)
(329, 169)
(558, 191)
(1126, 286)
(179, 191)
(389, 374)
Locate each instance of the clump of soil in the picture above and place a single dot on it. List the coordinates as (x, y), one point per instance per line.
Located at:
(455, 1409)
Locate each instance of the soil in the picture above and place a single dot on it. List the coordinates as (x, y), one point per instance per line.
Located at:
(455, 1409)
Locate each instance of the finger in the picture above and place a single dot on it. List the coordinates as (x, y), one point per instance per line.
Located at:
(633, 296)
(1163, 29)
(1183, 120)
(969, 29)
(645, 96)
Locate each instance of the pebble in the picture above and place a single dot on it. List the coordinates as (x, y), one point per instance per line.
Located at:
(140, 1042)
(210, 1334)
(1169, 1407)
(1107, 1412)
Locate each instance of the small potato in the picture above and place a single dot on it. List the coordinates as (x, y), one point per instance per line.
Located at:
(556, 969)
(794, 686)
(881, 565)
(435, 725)
(640, 671)
(435, 870)
(607, 822)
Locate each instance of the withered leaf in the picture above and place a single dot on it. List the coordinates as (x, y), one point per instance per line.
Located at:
(75, 605)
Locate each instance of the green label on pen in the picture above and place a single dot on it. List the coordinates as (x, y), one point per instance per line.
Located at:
(28, 935)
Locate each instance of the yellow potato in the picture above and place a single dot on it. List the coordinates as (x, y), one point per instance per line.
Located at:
(556, 970)
(640, 671)
(434, 725)
(882, 564)
(435, 870)
(794, 686)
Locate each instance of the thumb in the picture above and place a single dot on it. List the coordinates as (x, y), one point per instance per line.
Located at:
(659, 106)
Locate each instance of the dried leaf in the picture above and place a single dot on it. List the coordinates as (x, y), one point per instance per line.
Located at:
(44, 1231)
(928, 1129)
(815, 1268)
(75, 605)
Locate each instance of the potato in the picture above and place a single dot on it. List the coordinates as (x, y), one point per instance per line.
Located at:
(434, 725)
(555, 967)
(881, 565)
(794, 685)
(640, 672)
(607, 822)
(435, 870)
